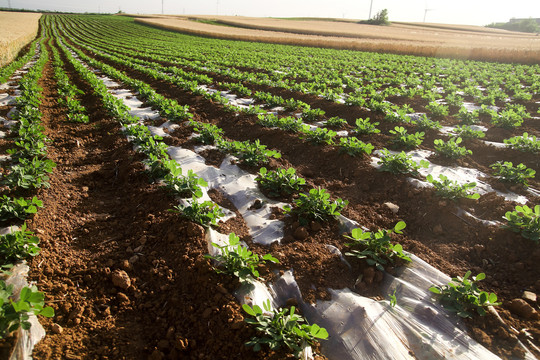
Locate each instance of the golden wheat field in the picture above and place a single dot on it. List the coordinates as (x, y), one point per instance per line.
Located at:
(16, 30)
(464, 42)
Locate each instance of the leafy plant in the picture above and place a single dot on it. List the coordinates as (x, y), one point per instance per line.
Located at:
(400, 163)
(506, 171)
(208, 133)
(336, 122)
(524, 220)
(524, 143)
(15, 314)
(466, 132)
(18, 245)
(353, 146)
(253, 110)
(468, 117)
(425, 123)
(29, 173)
(288, 123)
(437, 109)
(463, 297)
(454, 99)
(507, 119)
(205, 213)
(451, 148)
(19, 208)
(319, 136)
(364, 127)
(252, 153)
(280, 182)
(376, 247)
(403, 139)
(316, 205)
(282, 327)
(393, 299)
(183, 185)
(310, 115)
(450, 189)
(238, 260)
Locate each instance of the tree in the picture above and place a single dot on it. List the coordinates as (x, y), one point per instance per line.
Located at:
(381, 18)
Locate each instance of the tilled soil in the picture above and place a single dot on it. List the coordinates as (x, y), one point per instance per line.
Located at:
(127, 278)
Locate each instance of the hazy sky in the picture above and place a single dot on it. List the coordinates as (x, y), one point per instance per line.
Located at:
(473, 12)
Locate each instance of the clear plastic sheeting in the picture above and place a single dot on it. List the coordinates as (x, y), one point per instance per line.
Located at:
(26, 339)
(240, 188)
(459, 174)
(362, 328)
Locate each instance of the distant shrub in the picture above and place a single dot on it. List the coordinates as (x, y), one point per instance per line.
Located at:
(381, 18)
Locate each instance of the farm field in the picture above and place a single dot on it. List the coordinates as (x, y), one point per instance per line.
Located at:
(463, 42)
(136, 121)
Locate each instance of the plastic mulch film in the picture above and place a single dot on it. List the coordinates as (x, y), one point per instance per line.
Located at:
(363, 328)
(26, 339)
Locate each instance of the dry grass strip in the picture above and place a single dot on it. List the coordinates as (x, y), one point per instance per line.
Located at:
(16, 30)
(454, 41)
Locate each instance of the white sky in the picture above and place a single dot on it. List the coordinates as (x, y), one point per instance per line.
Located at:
(472, 12)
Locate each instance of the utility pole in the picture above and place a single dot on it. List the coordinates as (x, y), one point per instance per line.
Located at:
(161, 7)
(425, 13)
(370, 7)
(9, 4)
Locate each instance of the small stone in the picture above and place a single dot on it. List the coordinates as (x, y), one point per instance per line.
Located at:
(393, 207)
(142, 240)
(57, 329)
(133, 259)
(156, 355)
(479, 248)
(138, 249)
(437, 229)
(301, 233)
(529, 296)
(163, 344)
(206, 314)
(257, 204)
(85, 189)
(222, 289)
(237, 325)
(522, 308)
(315, 226)
(481, 336)
(369, 275)
(122, 298)
(195, 230)
(126, 265)
(121, 279)
(443, 203)
(292, 302)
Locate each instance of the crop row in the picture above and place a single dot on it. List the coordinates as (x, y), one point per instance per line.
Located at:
(482, 85)
(351, 145)
(26, 170)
